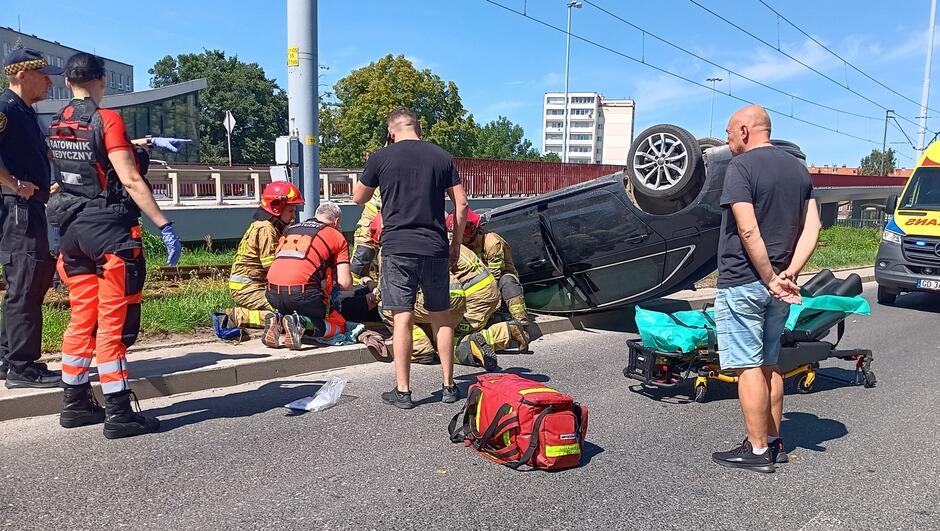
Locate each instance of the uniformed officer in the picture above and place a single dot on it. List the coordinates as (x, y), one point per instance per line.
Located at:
(24, 241)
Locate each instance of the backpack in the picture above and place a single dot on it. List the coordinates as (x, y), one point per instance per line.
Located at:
(516, 421)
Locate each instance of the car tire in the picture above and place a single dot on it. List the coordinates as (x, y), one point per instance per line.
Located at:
(709, 142)
(665, 165)
(790, 148)
(886, 296)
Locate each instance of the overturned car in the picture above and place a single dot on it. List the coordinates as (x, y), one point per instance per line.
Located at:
(627, 237)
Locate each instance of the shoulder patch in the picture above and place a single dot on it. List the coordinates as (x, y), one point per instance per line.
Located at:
(3, 122)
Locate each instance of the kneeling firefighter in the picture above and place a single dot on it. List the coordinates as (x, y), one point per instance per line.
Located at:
(101, 256)
(365, 249)
(496, 254)
(247, 281)
(310, 257)
(474, 298)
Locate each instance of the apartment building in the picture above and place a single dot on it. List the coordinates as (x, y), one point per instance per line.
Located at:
(599, 130)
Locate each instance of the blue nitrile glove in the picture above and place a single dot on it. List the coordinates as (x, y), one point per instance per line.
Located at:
(172, 243)
(169, 144)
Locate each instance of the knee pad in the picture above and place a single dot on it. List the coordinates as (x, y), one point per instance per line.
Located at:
(361, 261)
(509, 287)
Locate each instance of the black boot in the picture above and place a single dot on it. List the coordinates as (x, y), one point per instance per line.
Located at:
(122, 421)
(79, 407)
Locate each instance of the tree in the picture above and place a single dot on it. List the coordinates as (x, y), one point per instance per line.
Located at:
(871, 164)
(551, 156)
(257, 102)
(354, 122)
(502, 139)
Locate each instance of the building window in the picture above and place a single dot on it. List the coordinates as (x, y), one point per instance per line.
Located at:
(599, 138)
(581, 112)
(556, 99)
(111, 78)
(582, 99)
(130, 84)
(555, 112)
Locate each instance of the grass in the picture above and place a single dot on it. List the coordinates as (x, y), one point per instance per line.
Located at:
(844, 247)
(184, 310)
(156, 253)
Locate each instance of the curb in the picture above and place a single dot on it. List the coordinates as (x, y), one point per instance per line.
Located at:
(35, 402)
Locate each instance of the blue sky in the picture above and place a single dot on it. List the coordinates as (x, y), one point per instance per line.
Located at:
(503, 63)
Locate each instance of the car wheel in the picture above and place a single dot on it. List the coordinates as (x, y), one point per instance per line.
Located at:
(665, 164)
(790, 148)
(710, 142)
(886, 296)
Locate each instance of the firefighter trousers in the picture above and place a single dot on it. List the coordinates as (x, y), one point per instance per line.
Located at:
(252, 305)
(318, 319)
(473, 350)
(27, 272)
(511, 292)
(101, 261)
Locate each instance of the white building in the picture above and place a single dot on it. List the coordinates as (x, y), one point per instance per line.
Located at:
(599, 130)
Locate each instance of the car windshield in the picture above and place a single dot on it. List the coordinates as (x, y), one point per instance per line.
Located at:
(923, 193)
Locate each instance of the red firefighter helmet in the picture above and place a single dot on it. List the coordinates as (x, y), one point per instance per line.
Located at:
(278, 195)
(470, 228)
(375, 228)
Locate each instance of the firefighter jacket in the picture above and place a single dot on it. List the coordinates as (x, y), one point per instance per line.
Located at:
(495, 253)
(256, 251)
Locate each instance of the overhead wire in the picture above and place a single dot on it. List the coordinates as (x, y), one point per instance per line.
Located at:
(643, 61)
(839, 57)
(797, 60)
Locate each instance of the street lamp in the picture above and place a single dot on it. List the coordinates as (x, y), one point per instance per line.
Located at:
(711, 119)
(564, 147)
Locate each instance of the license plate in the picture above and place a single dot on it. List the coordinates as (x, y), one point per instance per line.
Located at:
(928, 284)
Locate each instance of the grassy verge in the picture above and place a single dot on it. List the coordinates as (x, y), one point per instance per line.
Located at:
(184, 310)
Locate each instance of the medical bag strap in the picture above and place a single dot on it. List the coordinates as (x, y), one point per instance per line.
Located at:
(459, 433)
(497, 425)
(578, 419)
(709, 332)
(840, 330)
(534, 444)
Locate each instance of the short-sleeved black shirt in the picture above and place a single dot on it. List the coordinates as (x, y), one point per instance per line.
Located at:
(413, 177)
(23, 149)
(778, 185)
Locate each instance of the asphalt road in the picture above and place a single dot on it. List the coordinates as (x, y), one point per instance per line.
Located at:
(234, 458)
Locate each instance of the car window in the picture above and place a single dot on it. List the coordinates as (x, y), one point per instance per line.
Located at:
(594, 225)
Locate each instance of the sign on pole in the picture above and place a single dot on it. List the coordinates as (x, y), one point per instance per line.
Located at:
(229, 123)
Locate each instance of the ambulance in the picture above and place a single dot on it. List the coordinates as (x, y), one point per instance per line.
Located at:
(909, 254)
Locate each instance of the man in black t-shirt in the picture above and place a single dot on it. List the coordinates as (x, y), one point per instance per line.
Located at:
(413, 176)
(769, 229)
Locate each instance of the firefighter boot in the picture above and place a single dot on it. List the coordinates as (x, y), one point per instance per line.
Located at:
(122, 421)
(80, 407)
(475, 351)
(518, 334)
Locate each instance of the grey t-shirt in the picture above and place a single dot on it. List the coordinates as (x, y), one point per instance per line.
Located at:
(778, 185)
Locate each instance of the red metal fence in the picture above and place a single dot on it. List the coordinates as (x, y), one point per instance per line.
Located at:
(829, 180)
(499, 178)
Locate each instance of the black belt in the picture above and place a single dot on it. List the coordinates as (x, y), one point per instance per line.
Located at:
(294, 290)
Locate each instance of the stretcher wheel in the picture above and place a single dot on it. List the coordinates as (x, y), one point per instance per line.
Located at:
(801, 385)
(870, 379)
(699, 392)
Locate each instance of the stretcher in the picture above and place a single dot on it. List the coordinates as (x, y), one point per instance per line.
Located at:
(677, 348)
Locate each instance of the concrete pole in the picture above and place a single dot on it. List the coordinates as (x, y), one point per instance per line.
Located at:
(302, 97)
(884, 142)
(564, 146)
(922, 130)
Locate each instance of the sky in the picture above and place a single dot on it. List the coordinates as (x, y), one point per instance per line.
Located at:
(503, 63)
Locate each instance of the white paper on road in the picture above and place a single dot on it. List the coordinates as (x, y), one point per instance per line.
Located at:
(325, 397)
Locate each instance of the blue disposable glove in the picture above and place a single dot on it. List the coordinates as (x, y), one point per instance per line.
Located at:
(172, 243)
(169, 144)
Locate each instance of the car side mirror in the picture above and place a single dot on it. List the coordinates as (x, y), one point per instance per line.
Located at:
(891, 204)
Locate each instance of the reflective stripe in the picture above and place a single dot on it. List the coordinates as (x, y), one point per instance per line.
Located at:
(267, 260)
(240, 278)
(112, 366)
(255, 317)
(76, 361)
(454, 293)
(478, 285)
(72, 379)
(372, 207)
(291, 254)
(537, 390)
(564, 449)
(110, 388)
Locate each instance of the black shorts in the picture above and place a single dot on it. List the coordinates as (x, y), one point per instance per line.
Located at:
(403, 274)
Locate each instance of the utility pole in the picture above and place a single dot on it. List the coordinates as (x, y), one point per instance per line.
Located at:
(711, 119)
(564, 147)
(922, 130)
(302, 98)
(884, 142)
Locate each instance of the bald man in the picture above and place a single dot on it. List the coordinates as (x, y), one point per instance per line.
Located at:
(769, 229)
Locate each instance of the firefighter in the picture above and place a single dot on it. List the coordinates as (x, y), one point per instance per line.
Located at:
(101, 255)
(365, 250)
(24, 243)
(474, 298)
(255, 254)
(496, 254)
(310, 257)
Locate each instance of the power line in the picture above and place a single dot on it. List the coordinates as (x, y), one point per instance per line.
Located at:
(665, 71)
(843, 85)
(716, 65)
(839, 57)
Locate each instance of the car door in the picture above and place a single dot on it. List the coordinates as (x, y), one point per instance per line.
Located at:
(607, 252)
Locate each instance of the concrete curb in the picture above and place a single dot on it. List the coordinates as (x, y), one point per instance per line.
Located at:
(34, 402)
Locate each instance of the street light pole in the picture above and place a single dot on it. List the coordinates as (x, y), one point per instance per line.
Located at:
(711, 119)
(302, 97)
(884, 141)
(922, 130)
(564, 146)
